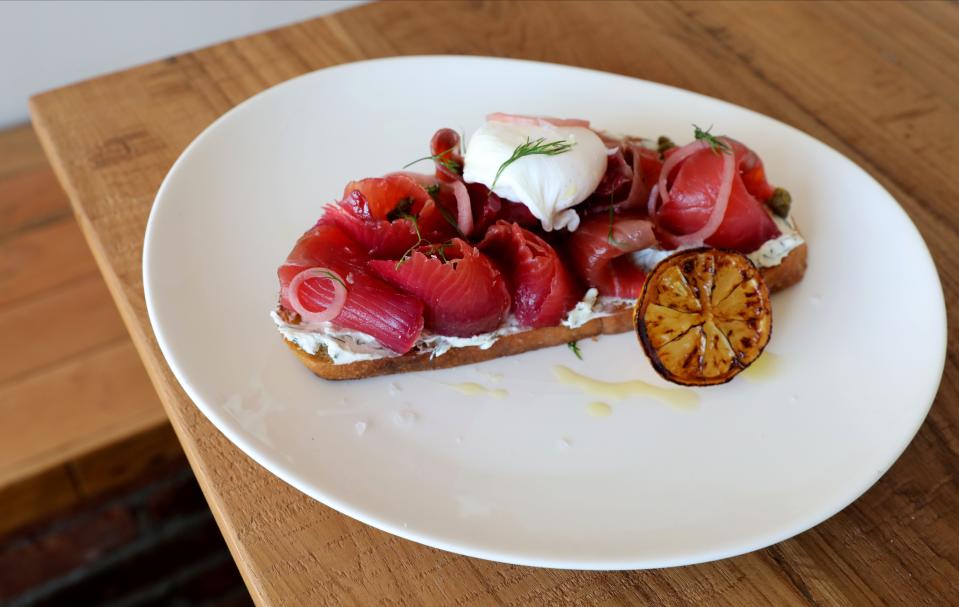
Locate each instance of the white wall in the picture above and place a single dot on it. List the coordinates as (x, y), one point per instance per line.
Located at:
(48, 44)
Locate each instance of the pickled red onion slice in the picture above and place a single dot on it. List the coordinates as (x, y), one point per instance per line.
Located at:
(718, 213)
(536, 120)
(674, 159)
(423, 179)
(332, 310)
(464, 210)
(651, 203)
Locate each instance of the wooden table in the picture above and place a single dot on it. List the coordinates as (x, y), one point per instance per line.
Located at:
(879, 82)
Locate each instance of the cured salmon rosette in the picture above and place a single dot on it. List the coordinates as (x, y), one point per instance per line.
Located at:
(536, 232)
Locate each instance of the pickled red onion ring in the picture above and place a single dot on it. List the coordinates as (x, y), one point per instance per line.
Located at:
(423, 179)
(719, 209)
(464, 210)
(674, 159)
(718, 213)
(651, 203)
(339, 295)
(536, 120)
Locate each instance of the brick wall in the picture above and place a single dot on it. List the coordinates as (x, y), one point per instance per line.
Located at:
(149, 543)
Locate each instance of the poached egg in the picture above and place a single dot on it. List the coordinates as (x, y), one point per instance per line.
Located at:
(548, 185)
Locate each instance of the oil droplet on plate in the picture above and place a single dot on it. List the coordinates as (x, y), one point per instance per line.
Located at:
(360, 428)
(470, 388)
(493, 377)
(405, 417)
(563, 444)
(598, 409)
(763, 368)
(682, 398)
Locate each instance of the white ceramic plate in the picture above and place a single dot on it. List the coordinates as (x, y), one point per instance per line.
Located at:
(533, 478)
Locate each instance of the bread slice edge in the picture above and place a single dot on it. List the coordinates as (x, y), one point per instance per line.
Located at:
(789, 271)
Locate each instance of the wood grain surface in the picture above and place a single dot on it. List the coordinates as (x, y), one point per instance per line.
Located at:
(62, 400)
(878, 81)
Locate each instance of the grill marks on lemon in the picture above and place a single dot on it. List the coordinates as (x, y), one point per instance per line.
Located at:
(703, 316)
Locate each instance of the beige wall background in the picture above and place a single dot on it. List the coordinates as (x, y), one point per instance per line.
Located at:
(45, 44)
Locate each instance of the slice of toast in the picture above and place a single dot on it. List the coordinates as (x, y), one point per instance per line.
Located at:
(789, 271)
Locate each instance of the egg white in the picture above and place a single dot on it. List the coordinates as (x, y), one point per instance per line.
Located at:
(548, 185)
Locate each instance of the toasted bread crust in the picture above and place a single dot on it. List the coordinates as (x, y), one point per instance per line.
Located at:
(787, 273)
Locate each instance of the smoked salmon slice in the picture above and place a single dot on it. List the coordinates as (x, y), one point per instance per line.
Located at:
(373, 307)
(462, 293)
(542, 289)
(746, 224)
(382, 238)
(384, 213)
(600, 252)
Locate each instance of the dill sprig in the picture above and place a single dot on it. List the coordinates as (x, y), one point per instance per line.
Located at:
(574, 347)
(419, 239)
(441, 158)
(449, 219)
(539, 146)
(715, 144)
(609, 237)
(440, 250)
(333, 276)
(433, 190)
(402, 208)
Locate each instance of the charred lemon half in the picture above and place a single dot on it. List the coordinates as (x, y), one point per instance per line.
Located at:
(703, 316)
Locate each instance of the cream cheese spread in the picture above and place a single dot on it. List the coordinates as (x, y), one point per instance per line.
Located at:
(770, 254)
(774, 251)
(344, 347)
(593, 306)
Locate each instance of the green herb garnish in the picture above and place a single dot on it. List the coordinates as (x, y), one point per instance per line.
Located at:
(440, 251)
(402, 208)
(530, 148)
(333, 276)
(574, 346)
(609, 237)
(711, 140)
(419, 239)
(449, 219)
(663, 144)
(433, 190)
(441, 158)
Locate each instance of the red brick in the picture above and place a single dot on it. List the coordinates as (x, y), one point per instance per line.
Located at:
(84, 506)
(33, 561)
(215, 582)
(145, 569)
(237, 599)
(182, 498)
